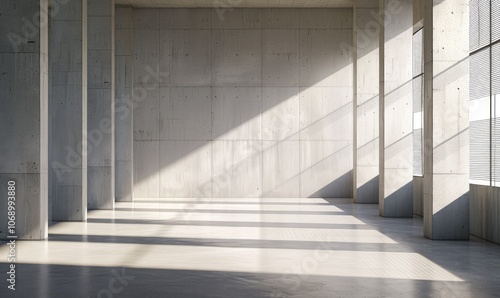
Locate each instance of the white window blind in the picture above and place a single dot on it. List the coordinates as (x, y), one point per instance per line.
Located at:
(479, 114)
(479, 24)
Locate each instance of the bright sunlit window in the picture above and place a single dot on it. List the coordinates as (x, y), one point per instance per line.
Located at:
(484, 107)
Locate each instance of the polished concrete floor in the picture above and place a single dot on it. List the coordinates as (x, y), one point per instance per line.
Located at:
(250, 248)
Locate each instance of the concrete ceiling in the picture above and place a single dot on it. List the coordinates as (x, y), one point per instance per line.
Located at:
(236, 3)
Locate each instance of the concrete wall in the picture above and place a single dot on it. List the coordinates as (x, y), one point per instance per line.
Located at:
(101, 104)
(396, 109)
(485, 212)
(418, 195)
(248, 103)
(124, 111)
(24, 117)
(68, 60)
(366, 110)
(446, 120)
(484, 209)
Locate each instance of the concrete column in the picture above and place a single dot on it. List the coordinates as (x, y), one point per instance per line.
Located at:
(446, 120)
(124, 112)
(50, 173)
(101, 104)
(69, 110)
(366, 34)
(396, 109)
(24, 117)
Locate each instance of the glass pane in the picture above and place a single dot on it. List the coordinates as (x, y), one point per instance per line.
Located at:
(495, 69)
(496, 141)
(495, 20)
(495, 77)
(479, 113)
(480, 74)
(479, 24)
(417, 126)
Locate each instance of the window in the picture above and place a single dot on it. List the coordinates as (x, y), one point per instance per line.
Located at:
(418, 108)
(484, 105)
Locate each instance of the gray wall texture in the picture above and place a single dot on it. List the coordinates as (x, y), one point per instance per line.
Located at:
(24, 118)
(242, 103)
(485, 212)
(101, 104)
(124, 111)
